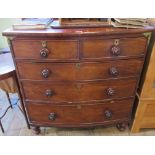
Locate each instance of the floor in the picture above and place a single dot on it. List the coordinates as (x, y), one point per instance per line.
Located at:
(15, 125)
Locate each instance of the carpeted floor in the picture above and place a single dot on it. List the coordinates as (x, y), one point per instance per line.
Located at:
(15, 125)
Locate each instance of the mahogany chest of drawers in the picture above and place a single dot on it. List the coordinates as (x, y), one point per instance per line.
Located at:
(78, 77)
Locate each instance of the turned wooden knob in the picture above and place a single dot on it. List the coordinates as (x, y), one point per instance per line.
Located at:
(113, 71)
(45, 73)
(49, 93)
(52, 116)
(115, 50)
(110, 92)
(108, 114)
(44, 52)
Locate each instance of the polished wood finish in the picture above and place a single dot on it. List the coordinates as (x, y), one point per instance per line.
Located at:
(104, 48)
(55, 49)
(78, 92)
(79, 77)
(73, 115)
(79, 71)
(145, 114)
(86, 32)
(15, 125)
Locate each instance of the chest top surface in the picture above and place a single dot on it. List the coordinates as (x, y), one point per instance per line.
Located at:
(75, 32)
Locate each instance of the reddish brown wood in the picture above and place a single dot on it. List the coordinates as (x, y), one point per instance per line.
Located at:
(78, 71)
(103, 31)
(103, 48)
(61, 70)
(75, 92)
(78, 114)
(57, 49)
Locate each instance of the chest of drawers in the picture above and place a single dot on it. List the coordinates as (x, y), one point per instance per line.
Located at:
(78, 77)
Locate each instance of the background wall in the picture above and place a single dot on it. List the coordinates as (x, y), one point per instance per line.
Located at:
(4, 24)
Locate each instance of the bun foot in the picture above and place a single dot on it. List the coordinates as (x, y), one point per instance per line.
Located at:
(37, 130)
(121, 126)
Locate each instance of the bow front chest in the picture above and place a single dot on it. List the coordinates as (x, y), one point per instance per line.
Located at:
(78, 77)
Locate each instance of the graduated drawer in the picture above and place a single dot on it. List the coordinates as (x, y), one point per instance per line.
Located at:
(69, 115)
(81, 91)
(79, 71)
(109, 48)
(45, 49)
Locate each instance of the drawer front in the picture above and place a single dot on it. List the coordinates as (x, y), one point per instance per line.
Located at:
(76, 114)
(75, 92)
(79, 71)
(103, 48)
(45, 49)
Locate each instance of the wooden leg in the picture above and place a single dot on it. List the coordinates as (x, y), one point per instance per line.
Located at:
(1, 126)
(37, 130)
(121, 126)
(7, 94)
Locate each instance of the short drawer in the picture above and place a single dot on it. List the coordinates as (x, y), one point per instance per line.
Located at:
(69, 115)
(80, 91)
(112, 48)
(79, 71)
(45, 49)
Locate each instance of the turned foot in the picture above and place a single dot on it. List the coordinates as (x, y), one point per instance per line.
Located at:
(121, 126)
(37, 130)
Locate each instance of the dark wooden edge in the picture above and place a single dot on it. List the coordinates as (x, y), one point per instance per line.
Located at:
(74, 32)
(85, 103)
(82, 125)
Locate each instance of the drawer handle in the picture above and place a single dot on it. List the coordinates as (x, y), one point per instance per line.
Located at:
(110, 92)
(114, 71)
(52, 116)
(115, 50)
(44, 52)
(49, 93)
(45, 73)
(108, 114)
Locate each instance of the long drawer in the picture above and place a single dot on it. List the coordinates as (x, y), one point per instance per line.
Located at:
(79, 71)
(45, 49)
(79, 91)
(79, 114)
(107, 48)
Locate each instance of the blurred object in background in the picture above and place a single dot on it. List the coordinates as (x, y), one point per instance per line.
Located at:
(4, 24)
